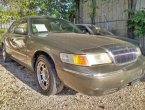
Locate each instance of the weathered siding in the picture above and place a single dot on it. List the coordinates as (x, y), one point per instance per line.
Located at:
(140, 4)
(111, 15)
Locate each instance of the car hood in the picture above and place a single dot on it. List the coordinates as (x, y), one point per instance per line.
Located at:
(78, 42)
(135, 42)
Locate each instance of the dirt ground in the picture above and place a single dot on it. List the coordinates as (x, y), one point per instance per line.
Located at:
(18, 91)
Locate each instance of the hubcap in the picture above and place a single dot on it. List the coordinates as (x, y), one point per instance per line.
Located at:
(43, 75)
(4, 54)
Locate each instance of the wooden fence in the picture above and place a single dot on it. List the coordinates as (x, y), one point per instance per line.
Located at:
(110, 15)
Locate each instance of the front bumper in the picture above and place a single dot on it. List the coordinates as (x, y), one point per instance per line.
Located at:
(101, 83)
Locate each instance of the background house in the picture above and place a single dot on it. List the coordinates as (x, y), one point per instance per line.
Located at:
(109, 14)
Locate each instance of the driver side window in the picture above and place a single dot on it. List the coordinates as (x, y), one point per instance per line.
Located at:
(12, 27)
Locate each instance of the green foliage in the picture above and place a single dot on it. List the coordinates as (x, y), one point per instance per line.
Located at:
(3, 15)
(1, 33)
(58, 8)
(7, 13)
(137, 23)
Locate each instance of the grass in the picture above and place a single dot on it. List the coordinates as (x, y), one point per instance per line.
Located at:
(1, 33)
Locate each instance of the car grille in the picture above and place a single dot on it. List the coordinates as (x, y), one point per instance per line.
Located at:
(123, 55)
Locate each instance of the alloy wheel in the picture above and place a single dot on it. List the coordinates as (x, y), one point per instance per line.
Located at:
(43, 75)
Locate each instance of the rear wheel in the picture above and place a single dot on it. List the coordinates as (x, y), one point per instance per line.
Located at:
(46, 76)
(5, 56)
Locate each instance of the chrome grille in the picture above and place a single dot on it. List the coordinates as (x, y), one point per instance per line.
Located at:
(123, 55)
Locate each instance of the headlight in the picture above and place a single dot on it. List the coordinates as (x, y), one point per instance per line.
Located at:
(86, 60)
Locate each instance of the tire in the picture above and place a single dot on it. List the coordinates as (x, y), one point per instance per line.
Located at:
(60, 86)
(5, 56)
(45, 75)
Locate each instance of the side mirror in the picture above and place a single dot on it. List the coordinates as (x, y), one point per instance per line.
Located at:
(19, 30)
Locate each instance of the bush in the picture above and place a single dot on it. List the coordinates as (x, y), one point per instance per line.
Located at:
(1, 33)
(137, 23)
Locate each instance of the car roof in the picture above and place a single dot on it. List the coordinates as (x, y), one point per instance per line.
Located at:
(39, 16)
(30, 17)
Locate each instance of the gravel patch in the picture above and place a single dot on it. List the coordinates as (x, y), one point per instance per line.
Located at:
(18, 91)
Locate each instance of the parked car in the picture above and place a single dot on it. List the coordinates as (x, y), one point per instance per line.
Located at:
(61, 55)
(95, 30)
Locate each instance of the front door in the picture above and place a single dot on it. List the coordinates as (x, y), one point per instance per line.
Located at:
(17, 43)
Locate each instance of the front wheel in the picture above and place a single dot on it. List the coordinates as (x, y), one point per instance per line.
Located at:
(45, 76)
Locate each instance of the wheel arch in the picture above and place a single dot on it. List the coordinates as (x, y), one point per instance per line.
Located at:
(40, 52)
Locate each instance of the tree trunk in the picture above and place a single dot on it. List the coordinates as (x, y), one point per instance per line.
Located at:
(93, 14)
(80, 7)
(77, 11)
(131, 6)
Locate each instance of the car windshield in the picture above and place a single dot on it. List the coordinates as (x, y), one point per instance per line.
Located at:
(99, 31)
(45, 25)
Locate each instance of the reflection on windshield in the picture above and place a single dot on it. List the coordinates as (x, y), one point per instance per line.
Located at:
(99, 31)
(43, 25)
